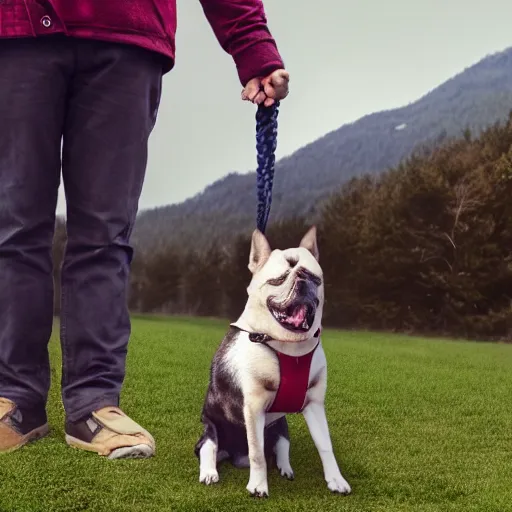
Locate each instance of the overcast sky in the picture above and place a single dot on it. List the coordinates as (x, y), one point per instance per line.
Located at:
(346, 59)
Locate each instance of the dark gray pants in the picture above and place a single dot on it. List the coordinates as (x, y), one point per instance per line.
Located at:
(101, 101)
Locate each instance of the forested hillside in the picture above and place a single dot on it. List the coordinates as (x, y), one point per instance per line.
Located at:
(474, 99)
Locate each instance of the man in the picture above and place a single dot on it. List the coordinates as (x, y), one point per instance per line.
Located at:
(88, 75)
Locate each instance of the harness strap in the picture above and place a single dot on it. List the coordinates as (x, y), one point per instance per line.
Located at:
(293, 376)
(293, 382)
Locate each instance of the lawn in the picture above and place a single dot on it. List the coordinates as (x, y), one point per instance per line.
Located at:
(420, 425)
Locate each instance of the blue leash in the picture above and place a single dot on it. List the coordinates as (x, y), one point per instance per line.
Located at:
(266, 143)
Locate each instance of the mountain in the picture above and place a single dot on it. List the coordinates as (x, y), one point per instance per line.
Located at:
(473, 99)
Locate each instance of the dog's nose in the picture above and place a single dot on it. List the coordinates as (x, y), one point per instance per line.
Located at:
(292, 261)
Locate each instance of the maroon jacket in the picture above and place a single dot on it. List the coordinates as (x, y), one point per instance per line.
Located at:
(239, 25)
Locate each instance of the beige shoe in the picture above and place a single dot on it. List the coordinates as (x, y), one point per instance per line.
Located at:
(110, 433)
(18, 427)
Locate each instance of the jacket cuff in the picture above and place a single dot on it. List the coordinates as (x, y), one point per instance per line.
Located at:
(257, 60)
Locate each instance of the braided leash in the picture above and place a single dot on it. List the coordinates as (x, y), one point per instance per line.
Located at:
(266, 143)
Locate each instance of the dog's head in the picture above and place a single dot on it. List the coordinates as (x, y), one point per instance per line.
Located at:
(286, 293)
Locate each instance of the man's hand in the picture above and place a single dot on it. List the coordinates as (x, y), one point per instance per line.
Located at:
(267, 90)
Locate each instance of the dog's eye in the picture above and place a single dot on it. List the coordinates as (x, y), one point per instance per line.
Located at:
(278, 280)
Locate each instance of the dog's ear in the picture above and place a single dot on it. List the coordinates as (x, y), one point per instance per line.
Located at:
(309, 242)
(260, 251)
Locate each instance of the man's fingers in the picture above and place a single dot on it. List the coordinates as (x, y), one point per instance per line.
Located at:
(276, 91)
(260, 98)
(251, 89)
(275, 87)
(270, 90)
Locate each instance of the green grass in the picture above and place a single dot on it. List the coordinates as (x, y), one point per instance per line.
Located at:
(423, 425)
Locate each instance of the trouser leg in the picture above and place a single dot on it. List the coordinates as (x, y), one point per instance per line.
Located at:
(33, 86)
(111, 112)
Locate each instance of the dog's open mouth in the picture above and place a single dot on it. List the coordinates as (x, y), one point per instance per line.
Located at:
(297, 316)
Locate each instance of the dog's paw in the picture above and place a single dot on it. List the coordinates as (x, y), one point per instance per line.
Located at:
(209, 477)
(339, 485)
(286, 471)
(259, 490)
(258, 493)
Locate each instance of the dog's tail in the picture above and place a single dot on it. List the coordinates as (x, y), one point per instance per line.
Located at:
(209, 433)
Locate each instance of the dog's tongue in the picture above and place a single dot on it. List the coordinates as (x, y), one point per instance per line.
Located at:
(298, 316)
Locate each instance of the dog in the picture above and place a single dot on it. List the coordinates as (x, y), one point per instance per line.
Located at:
(269, 364)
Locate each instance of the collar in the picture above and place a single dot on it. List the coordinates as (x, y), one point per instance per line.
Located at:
(257, 337)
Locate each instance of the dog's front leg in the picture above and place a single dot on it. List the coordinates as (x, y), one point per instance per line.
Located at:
(254, 415)
(314, 414)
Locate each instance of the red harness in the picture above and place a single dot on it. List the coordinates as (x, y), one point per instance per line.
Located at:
(293, 385)
(294, 379)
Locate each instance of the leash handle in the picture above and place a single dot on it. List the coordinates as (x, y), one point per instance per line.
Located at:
(266, 144)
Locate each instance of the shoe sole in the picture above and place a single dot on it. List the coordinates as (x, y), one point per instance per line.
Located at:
(33, 435)
(139, 451)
